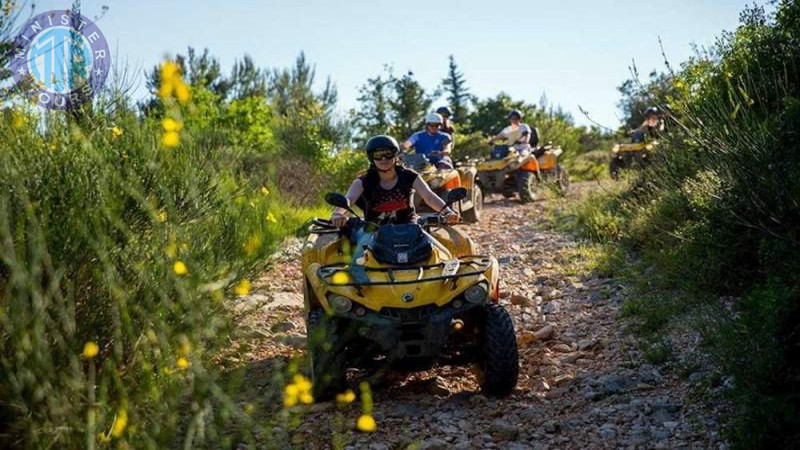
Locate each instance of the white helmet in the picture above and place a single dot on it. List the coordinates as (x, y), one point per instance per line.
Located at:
(434, 118)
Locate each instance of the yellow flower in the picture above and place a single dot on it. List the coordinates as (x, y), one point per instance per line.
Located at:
(270, 218)
(170, 139)
(182, 92)
(120, 423)
(169, 71)
(18, 121)
(291, 390)
(243, 288)
(162, 216)
(116, 132)
(180, 268)
(170, 124)
(182, 363)
(90, 350)
(165, 90)
(366, 423)
(303, 384)
(264, 190)
(249, 408)
(252, 245)
(306, 398)
(288, 402)
(346, 397)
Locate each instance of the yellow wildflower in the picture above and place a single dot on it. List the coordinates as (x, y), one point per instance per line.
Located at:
(366, 423)
(243, 288)
(170, 124)
(169, 70)
(162, 216)
(252, 245)
(346, 397)
(90, 350)
(18, 121)
(182, 92)
(271, 218)
(170, 139)
(249, 408)
(120, 423)
(182, 363)
(303, 384)
(288, 402)
(165, 90)
(264, 190)
(116, 132)
(180, 268)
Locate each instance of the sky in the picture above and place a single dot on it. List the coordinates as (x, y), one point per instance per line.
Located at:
(574, 52)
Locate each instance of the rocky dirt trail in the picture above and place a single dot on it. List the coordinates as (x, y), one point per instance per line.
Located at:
(583, 380)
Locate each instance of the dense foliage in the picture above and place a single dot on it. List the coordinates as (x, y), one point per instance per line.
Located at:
(718, 216)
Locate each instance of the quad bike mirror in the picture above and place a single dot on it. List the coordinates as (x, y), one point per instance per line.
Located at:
(339, 201)
(455, 195)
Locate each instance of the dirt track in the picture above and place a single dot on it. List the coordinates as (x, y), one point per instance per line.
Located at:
(583, 381)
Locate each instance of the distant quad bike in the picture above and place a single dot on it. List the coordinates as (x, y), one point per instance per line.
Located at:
(442, 181)
(403, 296)
(625, 156)
(511, 173)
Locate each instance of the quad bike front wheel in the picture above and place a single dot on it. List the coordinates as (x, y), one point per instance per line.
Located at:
(498, 363)
(473, 214)
(326, 354)
(526, 186)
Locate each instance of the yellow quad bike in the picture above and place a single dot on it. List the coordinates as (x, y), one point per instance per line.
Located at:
(403, 296)
(624, 156)
(442, 181)
(509, 172)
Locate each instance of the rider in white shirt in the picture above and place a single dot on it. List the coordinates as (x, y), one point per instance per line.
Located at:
(517, 134)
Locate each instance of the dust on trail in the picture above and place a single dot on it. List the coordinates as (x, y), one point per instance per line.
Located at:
(583, 382)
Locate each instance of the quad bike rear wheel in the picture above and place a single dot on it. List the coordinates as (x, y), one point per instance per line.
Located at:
(326, 354)
(498, 364)
(526, 186)
(473, 214)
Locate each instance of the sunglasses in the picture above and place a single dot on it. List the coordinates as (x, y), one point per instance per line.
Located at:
(435, 125)
(382, 156)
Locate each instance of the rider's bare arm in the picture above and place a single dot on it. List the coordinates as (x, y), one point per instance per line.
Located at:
(407, 144)
(339, 216)
(432, 200)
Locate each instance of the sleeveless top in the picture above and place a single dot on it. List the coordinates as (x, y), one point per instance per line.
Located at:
(393, 205)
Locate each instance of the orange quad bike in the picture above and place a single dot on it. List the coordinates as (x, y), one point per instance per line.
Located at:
(510, 172)
(443, 181)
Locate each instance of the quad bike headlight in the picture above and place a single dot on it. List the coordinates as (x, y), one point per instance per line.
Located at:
(340, 304)
(477, 293)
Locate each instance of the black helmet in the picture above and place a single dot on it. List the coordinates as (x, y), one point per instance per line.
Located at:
(651, 111)
(380, 142)
(444, 110)
(515, 112)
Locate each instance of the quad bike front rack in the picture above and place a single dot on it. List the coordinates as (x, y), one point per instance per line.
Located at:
(479, 264)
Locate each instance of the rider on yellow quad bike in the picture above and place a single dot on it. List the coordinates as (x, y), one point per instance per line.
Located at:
(432, 142)
(384, 192)
(643, 140)
(519, 135)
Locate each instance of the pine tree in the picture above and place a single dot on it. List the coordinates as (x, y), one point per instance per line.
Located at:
(409, 104)
(458, 96)
(373, 115)
(247, 80)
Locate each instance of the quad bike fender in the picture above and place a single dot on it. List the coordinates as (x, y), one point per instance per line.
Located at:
(532, 165)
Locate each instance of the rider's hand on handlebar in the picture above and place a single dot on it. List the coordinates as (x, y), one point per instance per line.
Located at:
(451, 216)
(338, 220)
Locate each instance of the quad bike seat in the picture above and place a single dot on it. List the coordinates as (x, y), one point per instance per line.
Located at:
(401, 244)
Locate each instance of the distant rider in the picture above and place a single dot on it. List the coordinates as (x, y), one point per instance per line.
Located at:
(518, 134)
(385, 192)
(447, 124)
(650, 128)
(432, 142)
